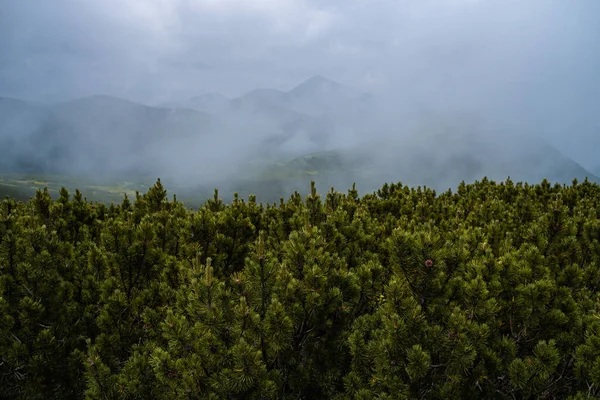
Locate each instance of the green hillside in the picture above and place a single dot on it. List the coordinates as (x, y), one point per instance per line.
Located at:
(109, 190)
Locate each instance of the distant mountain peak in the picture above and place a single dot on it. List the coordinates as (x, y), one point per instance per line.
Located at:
(321, 79)
(101, 99)
(266, 91)
(209, 96)
(5, 101)
(261, 95)
(319, 86)
(317, 82)
(11, 99)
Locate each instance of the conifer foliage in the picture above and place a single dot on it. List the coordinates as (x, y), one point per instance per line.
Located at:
(489, 292)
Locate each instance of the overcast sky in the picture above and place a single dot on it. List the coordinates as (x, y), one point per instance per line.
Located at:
(537, 57)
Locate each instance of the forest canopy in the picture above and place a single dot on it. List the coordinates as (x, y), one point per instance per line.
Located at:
(491, 291)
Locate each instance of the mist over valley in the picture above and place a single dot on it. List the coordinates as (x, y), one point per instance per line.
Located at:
(428, 103)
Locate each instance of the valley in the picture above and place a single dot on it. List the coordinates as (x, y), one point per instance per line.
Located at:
(267, 142)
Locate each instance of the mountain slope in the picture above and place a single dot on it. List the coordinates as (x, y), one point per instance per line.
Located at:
(318, 95)
(117, 135)
(110, 117)
(315, 96)
(427, 161)
(30, 137)
(213, 103)
(97, 134)
(310, 117)
(259, 98)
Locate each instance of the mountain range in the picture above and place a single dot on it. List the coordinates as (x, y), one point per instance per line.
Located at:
(316, 96)
(319, 130)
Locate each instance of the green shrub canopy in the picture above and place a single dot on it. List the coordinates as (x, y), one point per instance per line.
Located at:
(489, 292)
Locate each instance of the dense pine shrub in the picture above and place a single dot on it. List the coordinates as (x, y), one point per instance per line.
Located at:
(489, 292)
